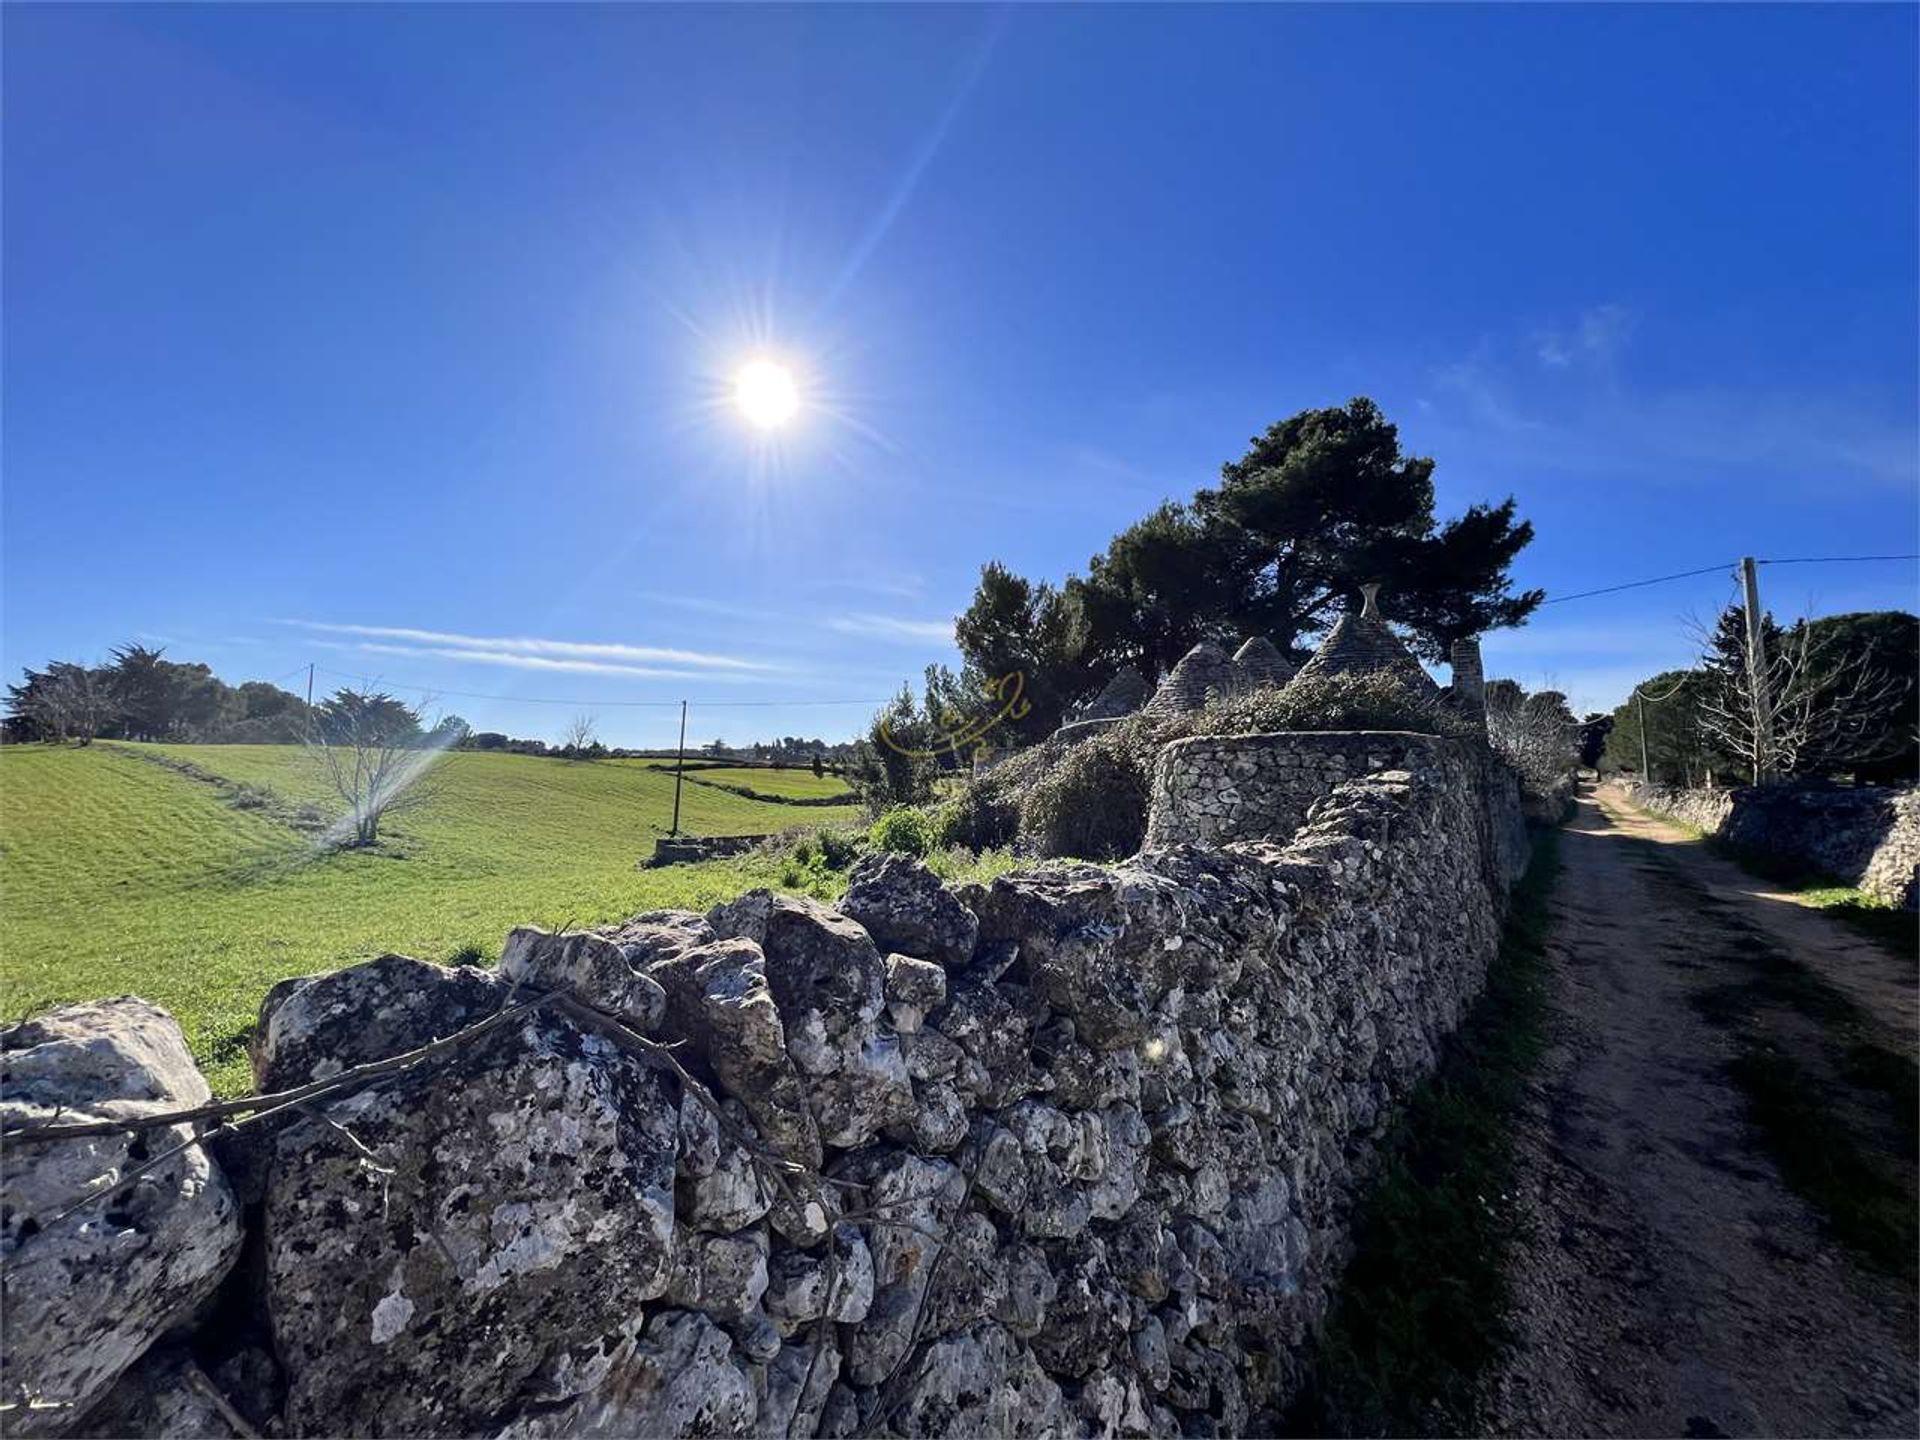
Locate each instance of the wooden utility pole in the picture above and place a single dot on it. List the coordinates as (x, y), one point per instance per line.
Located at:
(309, 685)
(1757, 675)
(1640, 703)
(679, 768)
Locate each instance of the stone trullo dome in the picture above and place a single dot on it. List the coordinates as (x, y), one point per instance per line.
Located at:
(1363, 643)
(1122, 695)
(1259, 662)
(1203, 671)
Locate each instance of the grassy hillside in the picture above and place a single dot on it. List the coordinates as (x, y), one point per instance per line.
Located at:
(119, 874)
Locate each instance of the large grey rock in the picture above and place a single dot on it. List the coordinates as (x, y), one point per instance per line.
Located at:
(719, 1000)
(722, 1276)
(591, 967)
(731, 1194)
(917, 1198)
(653, 935)
(1102, 945)
(905, 907)
(914, 989)
(801, 1282)
(677, 1378)
(161, 1398)
(828, 981)
(798, 1382)
(982, 1382)
(315, 1028)
(83, 1297)
(434, 1240)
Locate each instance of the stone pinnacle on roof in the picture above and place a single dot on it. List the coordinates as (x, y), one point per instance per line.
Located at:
(1363, 643)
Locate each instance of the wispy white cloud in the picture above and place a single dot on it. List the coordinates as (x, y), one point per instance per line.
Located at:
(542, 663)
(893, 627)
(528, 647)
(1597, 336)
(1479, 382)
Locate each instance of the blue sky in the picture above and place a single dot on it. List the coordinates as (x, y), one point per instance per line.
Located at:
(398, 339)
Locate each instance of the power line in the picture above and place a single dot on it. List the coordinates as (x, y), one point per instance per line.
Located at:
(1678, 686)
(1729, 565)
(1636, 584)
(1834, 559)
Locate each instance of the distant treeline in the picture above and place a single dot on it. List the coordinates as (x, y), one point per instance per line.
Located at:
(142, 695)
(139, 694)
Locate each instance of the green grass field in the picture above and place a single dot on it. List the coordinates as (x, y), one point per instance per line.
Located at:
(119, 874)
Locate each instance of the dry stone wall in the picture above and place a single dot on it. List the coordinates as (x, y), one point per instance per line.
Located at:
(1867, 836)
(1220, 788)
(1071, 1153)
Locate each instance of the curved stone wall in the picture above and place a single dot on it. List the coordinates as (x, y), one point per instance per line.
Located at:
(1220, 788)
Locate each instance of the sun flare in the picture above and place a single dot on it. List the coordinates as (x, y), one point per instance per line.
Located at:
(765, 394)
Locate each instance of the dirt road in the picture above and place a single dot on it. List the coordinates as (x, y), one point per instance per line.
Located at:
(1671, 1281)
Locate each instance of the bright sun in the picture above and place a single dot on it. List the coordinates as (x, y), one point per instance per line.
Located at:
(765, 394)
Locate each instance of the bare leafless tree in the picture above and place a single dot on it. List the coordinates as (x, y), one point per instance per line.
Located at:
(1536, 734)
(1808, 708)
(379, 756)
(578, 738)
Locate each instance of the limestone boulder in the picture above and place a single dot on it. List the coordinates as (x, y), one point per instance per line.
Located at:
(83, 1295)
(433, 1241)
(718, 1000)
(653, 935)
(678, 1377)
(589, 966)
(918, 1197)
(982, 1382)
(315, 1028)
(914, 988)
(1101, 945)
(804, 1283)
(828, 981)
(904, 907)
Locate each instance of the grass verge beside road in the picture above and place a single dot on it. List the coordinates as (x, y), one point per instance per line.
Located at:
(1874, 919)
(1423, 1306)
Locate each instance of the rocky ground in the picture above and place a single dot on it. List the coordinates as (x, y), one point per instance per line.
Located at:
(1670, 1282)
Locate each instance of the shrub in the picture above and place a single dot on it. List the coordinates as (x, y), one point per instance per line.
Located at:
(1092, 803)
(985, 815)
(840, 848)
(1369, 700)
(958, 865)
(905, 830)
